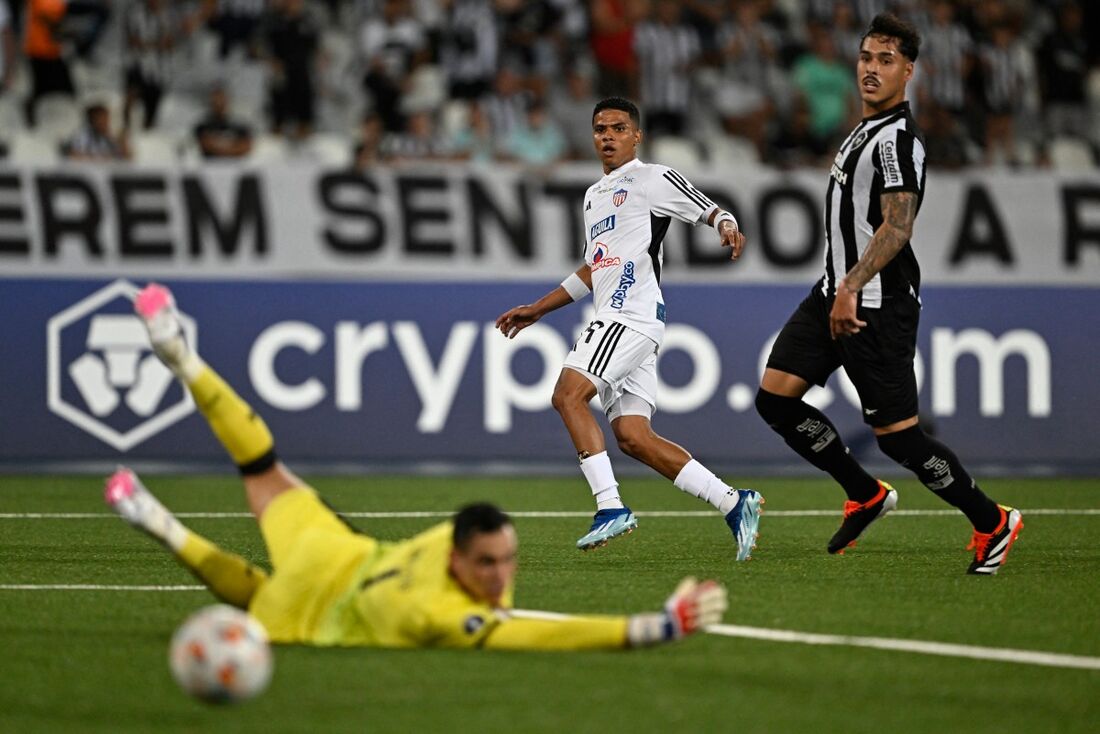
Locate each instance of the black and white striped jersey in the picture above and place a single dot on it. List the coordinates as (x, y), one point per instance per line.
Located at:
(665, 56)
(883, 154)
(626, 216)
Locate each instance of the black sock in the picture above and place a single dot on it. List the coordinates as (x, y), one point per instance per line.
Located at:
(815, 439)
(940, 470)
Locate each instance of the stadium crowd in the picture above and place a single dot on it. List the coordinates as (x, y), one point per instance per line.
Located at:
(358, 82)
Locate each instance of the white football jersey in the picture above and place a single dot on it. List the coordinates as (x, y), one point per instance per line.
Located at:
(626, 216)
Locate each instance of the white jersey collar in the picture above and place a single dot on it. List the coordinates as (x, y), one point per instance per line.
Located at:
(632, 163)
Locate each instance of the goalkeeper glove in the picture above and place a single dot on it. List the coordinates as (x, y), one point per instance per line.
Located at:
(691, 607)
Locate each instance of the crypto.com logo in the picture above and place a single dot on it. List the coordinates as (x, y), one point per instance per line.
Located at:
(98, 354)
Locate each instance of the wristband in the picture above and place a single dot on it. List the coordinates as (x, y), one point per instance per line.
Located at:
(575, 287)
(724, 216)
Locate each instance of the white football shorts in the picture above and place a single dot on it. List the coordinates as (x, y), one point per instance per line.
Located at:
(621, 363)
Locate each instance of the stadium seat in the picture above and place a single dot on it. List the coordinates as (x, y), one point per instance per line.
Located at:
(11, 116)
(154, 149)
(29, 146)
(732, 151)
(1071, 154)
(673, 151)
(179, 113)
(268, 148)
(328, 149)
(454, 117)
(58, 116)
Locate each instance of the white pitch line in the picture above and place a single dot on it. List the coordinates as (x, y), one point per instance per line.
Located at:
(925, 647)
(534, 514)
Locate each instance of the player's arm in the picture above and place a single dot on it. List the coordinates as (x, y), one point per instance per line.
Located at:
(691, 608)
(899, 211)
(576, 286)
(672, 195)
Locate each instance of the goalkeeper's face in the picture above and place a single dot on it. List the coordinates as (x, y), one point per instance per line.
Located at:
(486, 567)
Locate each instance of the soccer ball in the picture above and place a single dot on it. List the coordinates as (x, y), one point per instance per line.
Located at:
(220, 654)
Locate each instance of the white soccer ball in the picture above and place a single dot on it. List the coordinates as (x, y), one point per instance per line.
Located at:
(221, 654)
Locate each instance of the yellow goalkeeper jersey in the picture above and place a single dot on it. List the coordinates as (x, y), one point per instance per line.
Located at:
(334, 586)
(404, 596)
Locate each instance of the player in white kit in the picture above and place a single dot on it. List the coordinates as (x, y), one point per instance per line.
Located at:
(626, 216)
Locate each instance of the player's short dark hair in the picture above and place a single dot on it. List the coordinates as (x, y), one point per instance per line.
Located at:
(619, 103)
(475, 519)
(891, 26)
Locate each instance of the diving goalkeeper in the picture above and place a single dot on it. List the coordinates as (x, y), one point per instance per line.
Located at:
(449, 586)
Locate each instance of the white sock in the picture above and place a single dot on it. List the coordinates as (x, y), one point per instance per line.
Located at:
(601, 479)
(154, 518)
(699, 481)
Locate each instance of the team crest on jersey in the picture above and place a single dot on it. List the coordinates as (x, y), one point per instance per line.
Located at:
(860, 139)
(619, 197)
(473, 623)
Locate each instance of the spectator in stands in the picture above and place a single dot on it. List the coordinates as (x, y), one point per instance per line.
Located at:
(42, 45)
(152, 30)
(749, 52)
(7, 49)
(419, 142)
(506, 106)
(368, 150)
(826, 84)
(475, 142)
(236, 23)
(539, 142)
(469, 48)
(612, 42)
(1004, 68)
(945, 142)
(94, 141)
(947, 61)
(668, 50)
(1063, 61)
(530, 36)
(572, 105)
(392, 44)
(291, 42)
(794, 144)
(218, 135)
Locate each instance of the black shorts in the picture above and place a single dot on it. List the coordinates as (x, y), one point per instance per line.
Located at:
(878, 360)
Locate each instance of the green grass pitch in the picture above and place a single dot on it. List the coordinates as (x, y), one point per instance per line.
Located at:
(96, 660)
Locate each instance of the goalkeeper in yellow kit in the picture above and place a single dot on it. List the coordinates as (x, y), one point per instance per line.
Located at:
(449, 586)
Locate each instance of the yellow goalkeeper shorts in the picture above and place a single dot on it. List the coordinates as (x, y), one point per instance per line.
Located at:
(314, 555)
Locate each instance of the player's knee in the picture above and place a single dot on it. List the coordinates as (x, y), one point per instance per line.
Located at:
(775, 409)
(906, 446)
(632, 444)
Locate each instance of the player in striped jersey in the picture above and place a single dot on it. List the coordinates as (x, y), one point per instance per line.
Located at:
(626, 216)
(864, 311)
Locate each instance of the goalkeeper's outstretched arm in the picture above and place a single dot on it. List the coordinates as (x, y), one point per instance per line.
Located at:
(691, 608)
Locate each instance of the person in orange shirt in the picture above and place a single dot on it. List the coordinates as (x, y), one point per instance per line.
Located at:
(49, 69)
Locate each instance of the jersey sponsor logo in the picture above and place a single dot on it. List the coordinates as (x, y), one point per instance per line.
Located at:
(661, 312)
(618, 298)
(840, 176)
(891, 169)
(619, 197)
(102, 375)
(473, 623)
(602, 258)
(604, 225)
